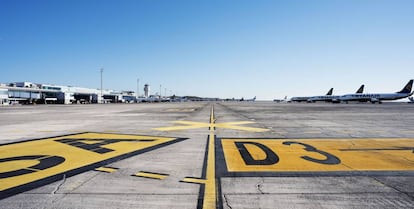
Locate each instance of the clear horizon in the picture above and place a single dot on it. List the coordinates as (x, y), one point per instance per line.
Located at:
(226, 49)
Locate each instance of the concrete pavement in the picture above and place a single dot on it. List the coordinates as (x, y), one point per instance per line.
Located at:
(207, 155)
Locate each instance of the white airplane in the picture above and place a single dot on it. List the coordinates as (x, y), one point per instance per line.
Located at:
(281, 100)
(251, 100)
(379, 97)
(361, 89)
(332, 98)
(306, 99)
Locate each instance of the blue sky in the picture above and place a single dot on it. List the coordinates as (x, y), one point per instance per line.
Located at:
(268, 49)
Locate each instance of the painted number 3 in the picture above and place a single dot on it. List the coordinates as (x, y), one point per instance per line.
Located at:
(329, 158)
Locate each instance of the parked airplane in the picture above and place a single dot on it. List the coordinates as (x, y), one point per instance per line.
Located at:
(299, 99)
(251, 100)
(280, 100)
(379, 97)
(361, 89)
(330, 97)
(247, 100)
(305, 99)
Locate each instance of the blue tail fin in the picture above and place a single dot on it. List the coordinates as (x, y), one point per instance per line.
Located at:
(407, 88)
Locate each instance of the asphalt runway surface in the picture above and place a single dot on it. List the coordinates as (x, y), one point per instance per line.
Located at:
(207, 155)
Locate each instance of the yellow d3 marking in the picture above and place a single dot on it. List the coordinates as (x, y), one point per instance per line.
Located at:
(42, 160)
(318, 155)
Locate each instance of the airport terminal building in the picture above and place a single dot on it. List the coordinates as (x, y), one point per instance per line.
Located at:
(31, 93)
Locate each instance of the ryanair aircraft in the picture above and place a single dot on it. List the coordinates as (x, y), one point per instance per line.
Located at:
(306, 99)
(332, 98)
(379, 97)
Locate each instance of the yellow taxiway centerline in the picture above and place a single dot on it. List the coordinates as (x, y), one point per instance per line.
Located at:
(210, 197)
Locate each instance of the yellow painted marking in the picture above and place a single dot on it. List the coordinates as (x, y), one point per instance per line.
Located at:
(151, 175)
(391, 154)
(106, 169)
(180, 110)
(74, 157)
(212, 125)
(188, 125)
(210, 193)
(194, 180)
(231, 125)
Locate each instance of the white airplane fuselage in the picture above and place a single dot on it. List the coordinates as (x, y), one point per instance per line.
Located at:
(326, 98)
(375, 97)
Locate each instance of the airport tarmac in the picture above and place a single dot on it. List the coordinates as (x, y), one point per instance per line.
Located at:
(207, 155)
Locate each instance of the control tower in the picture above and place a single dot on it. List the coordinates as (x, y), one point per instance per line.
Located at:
(146, 90)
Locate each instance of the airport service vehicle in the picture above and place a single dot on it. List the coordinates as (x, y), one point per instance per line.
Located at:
(379, 97)
(332, 98)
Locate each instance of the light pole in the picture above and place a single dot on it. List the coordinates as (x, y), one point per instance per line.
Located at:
(137, 88)
(101, 86)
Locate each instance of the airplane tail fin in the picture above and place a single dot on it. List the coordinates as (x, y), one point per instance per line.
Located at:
(407, 88)
(361, 89)
(330, 92)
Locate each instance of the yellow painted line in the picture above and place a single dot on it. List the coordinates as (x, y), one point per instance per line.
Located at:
(210, 195)
(180, 110)
(240, 123)
(196, 125)
(193, 180)
(151, 175)
(25, 162)
(106, 169)
(318, 155)
(212, 120)
(188, 125)
(241, 128)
